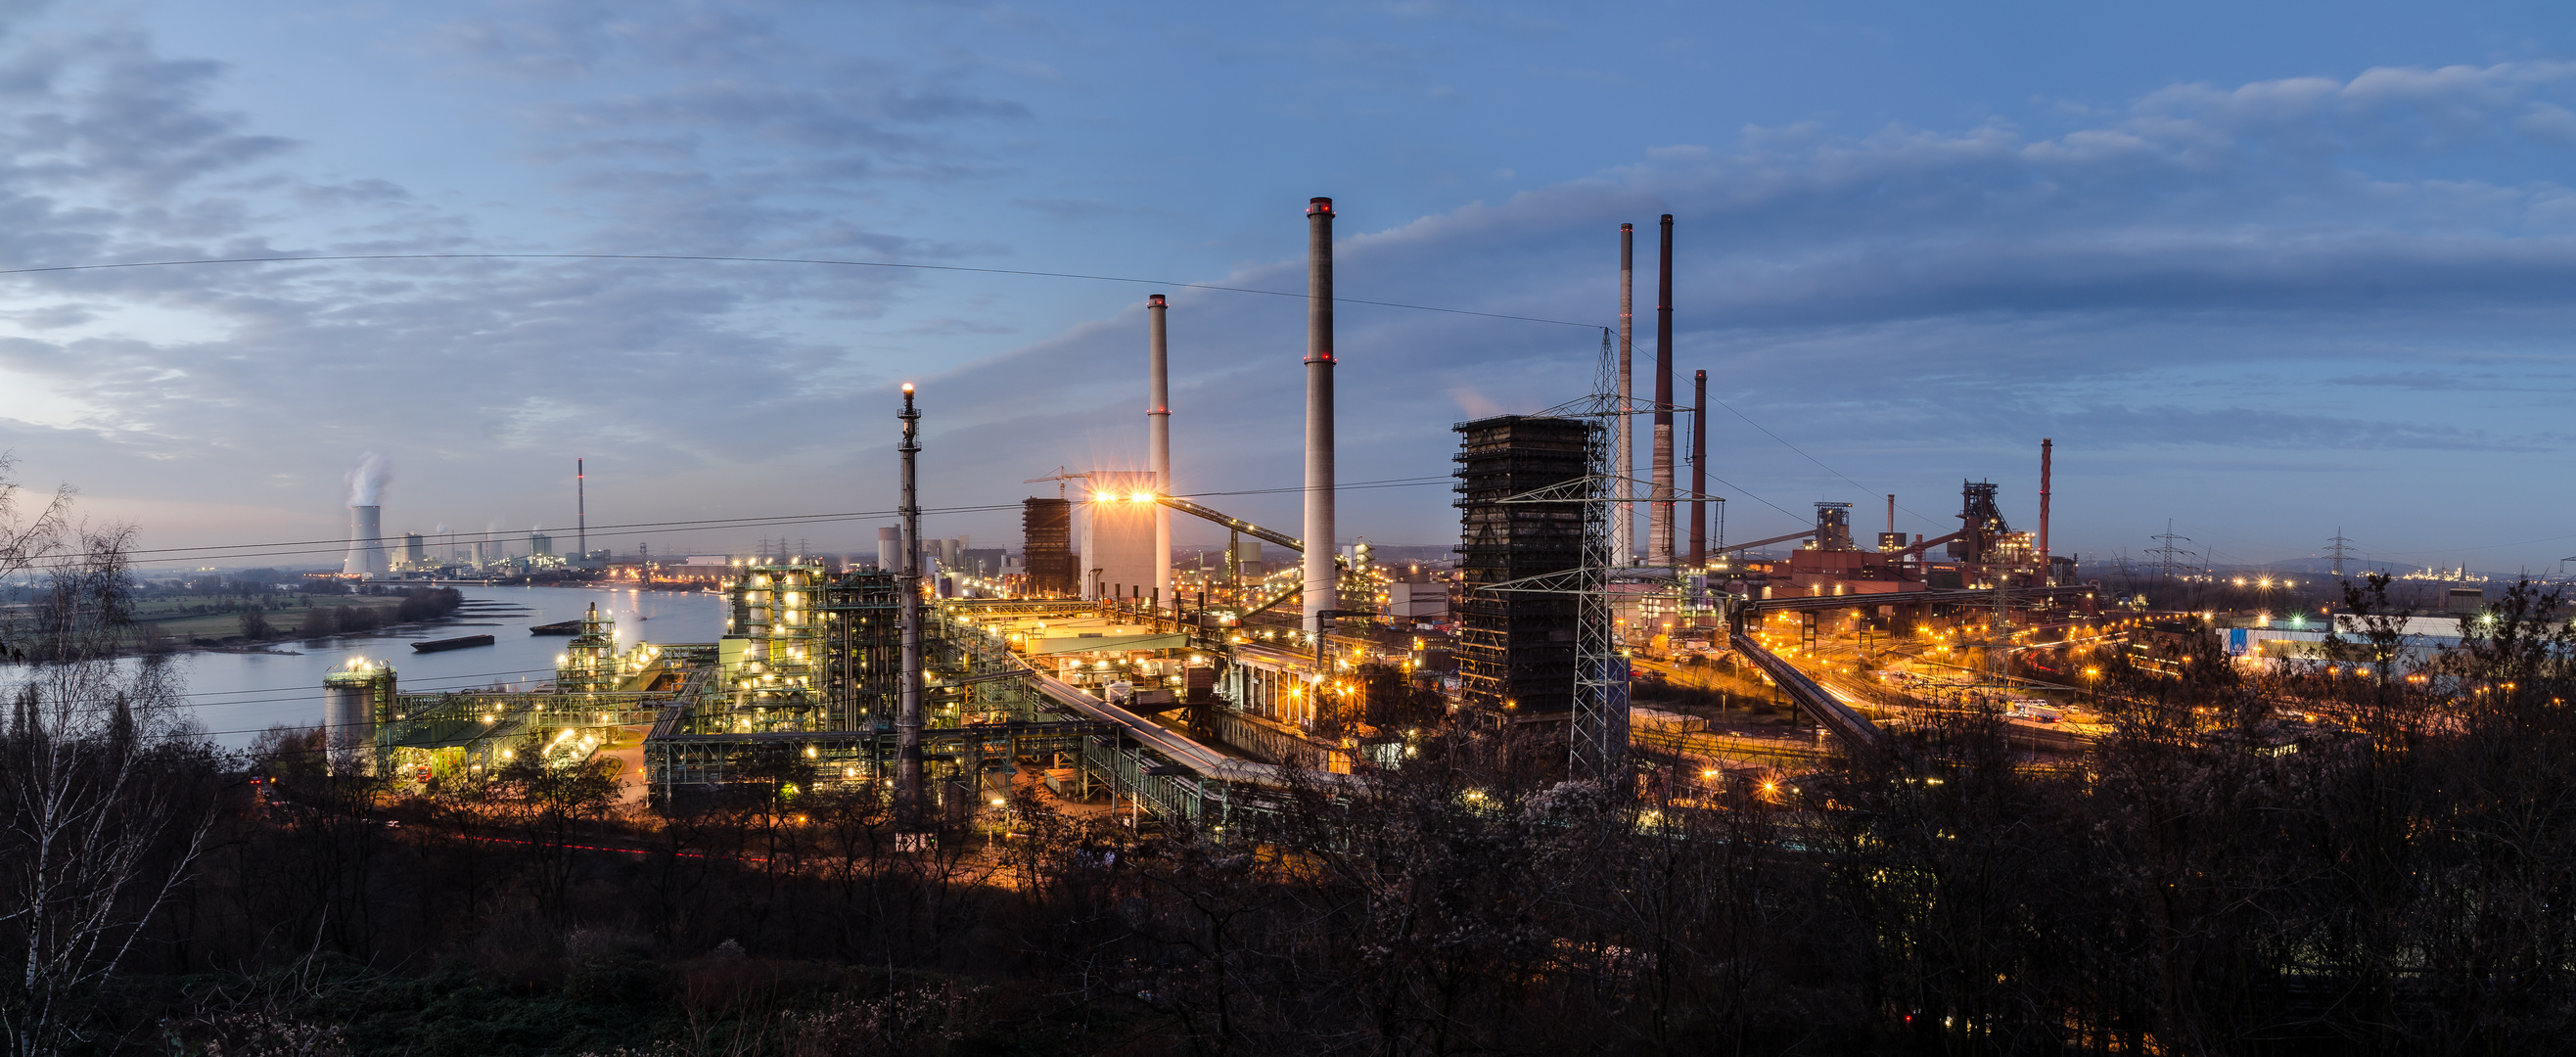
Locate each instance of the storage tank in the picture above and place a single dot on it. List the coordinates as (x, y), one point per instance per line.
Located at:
(355, 699)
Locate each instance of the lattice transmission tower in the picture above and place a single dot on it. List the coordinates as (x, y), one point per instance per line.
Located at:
(2169, 557)
(1598, 744)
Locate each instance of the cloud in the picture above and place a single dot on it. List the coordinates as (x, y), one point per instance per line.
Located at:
(1911, 304)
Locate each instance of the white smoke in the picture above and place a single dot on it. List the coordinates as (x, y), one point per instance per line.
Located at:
(367, 482)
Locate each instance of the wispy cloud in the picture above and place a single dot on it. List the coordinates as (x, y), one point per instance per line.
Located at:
(2266, 269)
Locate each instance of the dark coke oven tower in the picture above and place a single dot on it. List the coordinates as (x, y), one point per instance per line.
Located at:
(1046, 546)
(1518, 648)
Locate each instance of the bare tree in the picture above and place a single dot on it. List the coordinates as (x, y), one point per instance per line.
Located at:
(103, 806)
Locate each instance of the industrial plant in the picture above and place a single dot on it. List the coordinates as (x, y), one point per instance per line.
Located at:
(1183, 691)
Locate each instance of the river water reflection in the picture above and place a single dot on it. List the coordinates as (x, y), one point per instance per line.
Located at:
(237, 695)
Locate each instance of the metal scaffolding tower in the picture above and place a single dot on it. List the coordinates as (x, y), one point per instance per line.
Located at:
(1597, 747)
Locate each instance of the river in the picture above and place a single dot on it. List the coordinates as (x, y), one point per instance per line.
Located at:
(237, 695)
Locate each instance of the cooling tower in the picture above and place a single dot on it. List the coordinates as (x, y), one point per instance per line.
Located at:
(366, 542)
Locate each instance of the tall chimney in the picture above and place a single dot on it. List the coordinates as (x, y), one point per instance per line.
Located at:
(1699, 470)
(1659, 509)
(580, 510)
(2045, 446)
(1623, 527)
(1891, 513)
(1158, 437)
(1322, 582)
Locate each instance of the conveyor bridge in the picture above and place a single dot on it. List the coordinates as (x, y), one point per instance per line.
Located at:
(1855, 730)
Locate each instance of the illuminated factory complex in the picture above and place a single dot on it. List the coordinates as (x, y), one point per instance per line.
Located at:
(1183, 692)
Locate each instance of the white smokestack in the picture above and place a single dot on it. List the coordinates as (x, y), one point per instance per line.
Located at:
(1158, 438)
(1323, 581)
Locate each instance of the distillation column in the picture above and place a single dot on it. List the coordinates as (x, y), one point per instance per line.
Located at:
(907, 717)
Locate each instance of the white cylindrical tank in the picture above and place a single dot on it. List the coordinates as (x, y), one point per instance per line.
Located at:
(889, 549)
(351, 699)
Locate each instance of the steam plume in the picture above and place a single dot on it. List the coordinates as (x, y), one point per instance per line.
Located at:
(367, 481)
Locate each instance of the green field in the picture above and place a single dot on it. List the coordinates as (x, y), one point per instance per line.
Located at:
(187, 619)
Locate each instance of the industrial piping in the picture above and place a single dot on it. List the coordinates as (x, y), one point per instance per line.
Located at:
(1623, 530)
(907, 716)
(1158, 440)
(1322, 579)
(1659, 510)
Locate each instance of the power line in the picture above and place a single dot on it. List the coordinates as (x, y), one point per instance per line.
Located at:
(289, 548)
(299, 693)
(2170, 557)
(1802, 453)
(684, 526)
(2339, 550)
(777, 260)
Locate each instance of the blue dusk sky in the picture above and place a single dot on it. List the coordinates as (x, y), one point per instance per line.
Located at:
(2268, 270)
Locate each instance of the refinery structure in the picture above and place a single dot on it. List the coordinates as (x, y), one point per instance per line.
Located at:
(1189, 691)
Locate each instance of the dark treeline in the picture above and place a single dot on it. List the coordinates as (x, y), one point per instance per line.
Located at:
(321, 621)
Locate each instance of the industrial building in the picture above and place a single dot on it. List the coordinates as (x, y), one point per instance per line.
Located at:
(1121, 524)
(1184, 691)
(1046, 548)
(1517, 649)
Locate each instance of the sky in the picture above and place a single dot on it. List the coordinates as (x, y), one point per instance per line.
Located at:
(2270, 271)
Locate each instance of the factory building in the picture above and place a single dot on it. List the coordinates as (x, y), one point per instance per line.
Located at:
(1517, 649)
(1119, 529)
(1046, 548)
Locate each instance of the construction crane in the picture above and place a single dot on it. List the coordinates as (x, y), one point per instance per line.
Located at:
(1060, 477)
